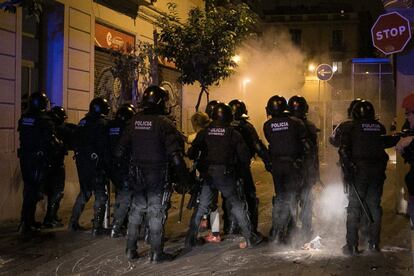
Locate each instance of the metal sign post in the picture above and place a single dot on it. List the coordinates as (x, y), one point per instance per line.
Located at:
(324, 72)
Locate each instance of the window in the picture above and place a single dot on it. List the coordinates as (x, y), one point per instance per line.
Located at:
(337, 39)
(296, 36)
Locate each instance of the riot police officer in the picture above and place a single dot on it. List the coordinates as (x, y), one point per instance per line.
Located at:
(221, 148)
(298, 107)
(334, 139)
(255, 146)
(210, 107)
(119, 168)
(37, 146)
(91, 160)
(405, 147)
(56, 181)
(214, 235)
(288, 145)
(362, 151)
(154, 143)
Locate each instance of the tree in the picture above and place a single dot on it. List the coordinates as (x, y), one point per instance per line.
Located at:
(32, 7)
(202, 48)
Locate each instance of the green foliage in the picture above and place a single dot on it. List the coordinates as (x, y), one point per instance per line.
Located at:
(32, 7)
(202, 48)
(133, 63)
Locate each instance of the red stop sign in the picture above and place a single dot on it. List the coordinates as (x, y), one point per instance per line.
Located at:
(391, 32)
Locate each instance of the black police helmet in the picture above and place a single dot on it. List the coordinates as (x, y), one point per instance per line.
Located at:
(154, 99)
(298, 106)
(99, 106)
(276, 105)
(222, 113)
(210, 107)
(351, 106)
(363, 110)
(58, 114)
(125, 112)
(38, 101)
(239, 109)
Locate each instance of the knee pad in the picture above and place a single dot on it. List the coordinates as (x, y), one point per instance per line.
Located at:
(156, 212)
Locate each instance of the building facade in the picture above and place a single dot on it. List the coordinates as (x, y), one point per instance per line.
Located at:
(67, 55)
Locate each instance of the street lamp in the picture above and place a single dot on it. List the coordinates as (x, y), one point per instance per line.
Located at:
(311, 67)
(245, 81)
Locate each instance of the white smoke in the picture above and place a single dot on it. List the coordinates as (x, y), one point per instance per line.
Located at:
(269, 64)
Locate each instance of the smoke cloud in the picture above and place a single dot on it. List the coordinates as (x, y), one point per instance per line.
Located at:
(269, 65)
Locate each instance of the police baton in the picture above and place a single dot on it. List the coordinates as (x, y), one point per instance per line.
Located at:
(361, 202)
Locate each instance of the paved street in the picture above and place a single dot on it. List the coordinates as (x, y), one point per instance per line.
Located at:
(59, 252)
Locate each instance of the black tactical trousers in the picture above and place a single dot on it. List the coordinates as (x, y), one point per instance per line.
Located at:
(287, 182)
(120, 179)
(249, 195)
(219, 178)
(35, 173)
(92, 180)
(147, 198)
(54, 189)
(56, 182)
(409, 182)
(369, 181)
(306, 205)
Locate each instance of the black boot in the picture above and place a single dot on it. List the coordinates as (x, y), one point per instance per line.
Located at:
(374, 247)
(98, 219)
(50, 218)
(76, 213)
(131, 254)
(191, 239)
(273, 233)
(132, 240)
(26, 229)
(233, 229)
(57, 205)
(283, 236)
(254, 240)
(75, 226)
(159, 257)
(254, 216)
(116, 231)
(350, 250)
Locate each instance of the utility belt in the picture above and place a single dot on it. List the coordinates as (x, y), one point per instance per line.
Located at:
(91, 158)
(226, 169)
(35, 154)
(136, 170)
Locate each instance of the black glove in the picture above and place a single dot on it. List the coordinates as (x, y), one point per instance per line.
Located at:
(184, 182)
(182, 173)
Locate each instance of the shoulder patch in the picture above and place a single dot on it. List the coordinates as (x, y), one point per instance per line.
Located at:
(28, 121)
(371, 127)
(114, 131)
(216, 131)
(143, 125)
(279, 126)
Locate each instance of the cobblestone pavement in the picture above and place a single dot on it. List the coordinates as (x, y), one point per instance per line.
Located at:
(59, 252)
